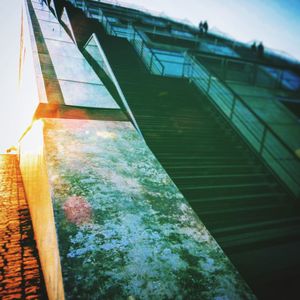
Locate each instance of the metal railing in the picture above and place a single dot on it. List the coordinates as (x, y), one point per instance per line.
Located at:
(148, 56)
(278, 155)
(96, 13)
(173, 62)
(255, 73)
(146, 53)
(105, 22)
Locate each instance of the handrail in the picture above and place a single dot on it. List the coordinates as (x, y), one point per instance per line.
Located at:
(107, 25)
(220, 57)
(84, 5)
(186, 23)
(165, 61)
(233, 104)
(154, 61)
(105, 22)
(153, 55)
(169, 52)
(281, 107)
(136, 33)
(111, 31)
(262, 139)
(278, 80)
(247, 105)
(240, 59)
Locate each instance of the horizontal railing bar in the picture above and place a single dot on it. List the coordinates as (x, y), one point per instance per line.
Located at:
(249, 108)
(225, 98)
(168, 53)
(154, 55)
(262, 141)
(172, 62)
(239, 59)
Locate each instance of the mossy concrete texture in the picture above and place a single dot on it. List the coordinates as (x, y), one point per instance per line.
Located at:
(124, 230)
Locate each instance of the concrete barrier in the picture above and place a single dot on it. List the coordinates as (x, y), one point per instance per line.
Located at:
(35, 177)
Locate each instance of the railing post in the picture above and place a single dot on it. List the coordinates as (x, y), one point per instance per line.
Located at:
(262, 142)
(255, 71)
(184, 64)
(100, 16)
(224, 67)
(183, 68)
(209, 83)
(232, 107)
(192, 70)
(280, 78)
(86, 9)
(186, 69)
(151, 62)
(134, 34)
(142, 49)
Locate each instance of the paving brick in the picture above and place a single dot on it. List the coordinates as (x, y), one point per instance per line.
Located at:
(20, 272)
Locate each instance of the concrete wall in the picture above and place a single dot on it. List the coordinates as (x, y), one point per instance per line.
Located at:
(36, 183)
(124, 229)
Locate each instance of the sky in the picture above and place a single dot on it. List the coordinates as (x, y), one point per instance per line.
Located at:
(275, 22)
(10, 18)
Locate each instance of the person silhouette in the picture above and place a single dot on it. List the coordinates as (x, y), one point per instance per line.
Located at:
(260, 49)
(205, 26)
(201, 27)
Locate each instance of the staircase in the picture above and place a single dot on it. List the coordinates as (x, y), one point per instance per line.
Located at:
(247, 210)
(20, 271)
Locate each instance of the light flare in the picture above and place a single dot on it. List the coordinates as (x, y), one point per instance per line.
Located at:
(34, 145)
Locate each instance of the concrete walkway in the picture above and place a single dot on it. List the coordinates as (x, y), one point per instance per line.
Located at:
(20, 272)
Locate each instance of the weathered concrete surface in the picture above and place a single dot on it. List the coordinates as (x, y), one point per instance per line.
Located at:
(124, 229)
(20, 273)
(37, 189)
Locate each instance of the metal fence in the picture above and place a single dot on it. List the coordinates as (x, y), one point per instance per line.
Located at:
(277, 154)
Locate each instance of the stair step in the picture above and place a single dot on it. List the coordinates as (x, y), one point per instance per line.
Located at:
(233, 193)
(193, 192)
(225, 179)
(241, 198)
(213, 169)
(264, 235)
(222, 218)
(224, 231)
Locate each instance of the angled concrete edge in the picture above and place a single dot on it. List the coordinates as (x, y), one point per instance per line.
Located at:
(37, 189)
(124, 230)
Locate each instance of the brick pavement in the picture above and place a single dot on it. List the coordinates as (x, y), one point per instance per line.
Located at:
(20, 272)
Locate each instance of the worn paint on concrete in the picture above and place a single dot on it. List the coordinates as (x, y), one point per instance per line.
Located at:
(123, 227)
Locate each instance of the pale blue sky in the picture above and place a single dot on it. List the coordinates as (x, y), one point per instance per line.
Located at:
(10, 17)
(275, 22)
